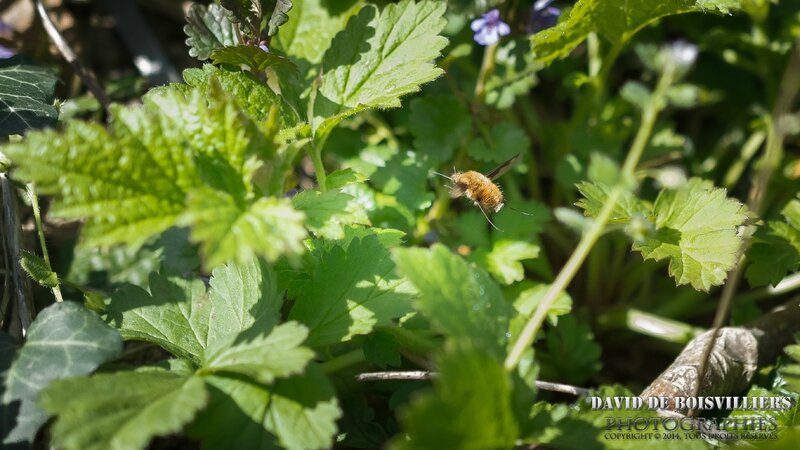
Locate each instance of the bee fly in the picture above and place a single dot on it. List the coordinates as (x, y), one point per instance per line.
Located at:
(481, 189)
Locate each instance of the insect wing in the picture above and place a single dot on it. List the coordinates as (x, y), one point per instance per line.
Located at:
(502, 168)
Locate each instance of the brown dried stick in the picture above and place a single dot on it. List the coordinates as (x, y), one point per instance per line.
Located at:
(737, 353)
(86, 75)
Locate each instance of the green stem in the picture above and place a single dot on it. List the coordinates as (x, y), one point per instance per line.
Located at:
(37, 215)
(343, 361)
(597, 228)
(487, 68)
(319, 169)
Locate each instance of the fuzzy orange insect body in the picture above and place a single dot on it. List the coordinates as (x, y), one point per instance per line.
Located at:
(479, 188)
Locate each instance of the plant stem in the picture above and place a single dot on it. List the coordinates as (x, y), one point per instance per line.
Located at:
(319, 169)
(487, 68)
(597, 228)
(343, 361)
(37, 215)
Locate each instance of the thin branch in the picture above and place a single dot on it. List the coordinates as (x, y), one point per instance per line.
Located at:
(426, 375)
(86, 75)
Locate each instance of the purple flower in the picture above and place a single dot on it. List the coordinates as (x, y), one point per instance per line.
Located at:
(542, 16)
(489, 28)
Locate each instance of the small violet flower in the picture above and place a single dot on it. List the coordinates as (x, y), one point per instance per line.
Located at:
(542, 16)
(489, 28)
(6, 52)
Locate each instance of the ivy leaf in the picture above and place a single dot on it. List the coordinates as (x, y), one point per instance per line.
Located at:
(251, 56)
(472, 386)
(503, 262)
(26, 96)
(328, 212)
(279, 16)
(696, 230)
(295, 413)
(311, 27)
(350, 292)
(208, 28)
(262, 357)
(377, 59)
(181, 317)
(438, 124)
(776, 249)
(616, 21)
(132, 182)
(506, 140)
(65, 340)
(461, 300)
(234, 230)
(124, 410)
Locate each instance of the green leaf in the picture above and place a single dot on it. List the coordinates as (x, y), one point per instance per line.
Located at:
(570, 353)
(616, 21)
(506, 139)
(65, 340)
(233, 230)
(121, 411)
(350, 292)
(460, 300)
(696, 229)
(311, 27)
(294, 413)
(37, 269)
(377, 59)
(529, 299)
(514, 74)
(208, 28)
(382, 349)
(260, 356)
(503, 262)
(280, 15)
(595, 195)
(328, 212)
(776, 249)
(250, 56)
(438, 124)
(404, 175)
(26, 96)
(180, 317)
(474, 388)
(133, 182)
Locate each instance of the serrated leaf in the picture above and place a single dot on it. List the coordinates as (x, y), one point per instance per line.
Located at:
(595, 195)
(181, 317)
(208, 28)
(506, 139)
(460, 300)
(295, 413)
(350, 292)
(250, 56)
(328, 212)
(376, 59)
(503, 262)
(616, 21)
(404, 175)
(695, 228)
(529, 299)
(570, 352)
(261, 356)
(438, 124)
(382, 349)
(473, 387)
(26, 96)
(228, 229)
(65, 340)
(121, 411)
(37, 269)
(776, 249)
(133, 182)
(311, 27)
(279, 16)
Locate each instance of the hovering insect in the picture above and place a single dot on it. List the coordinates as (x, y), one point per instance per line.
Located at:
(480, 188)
